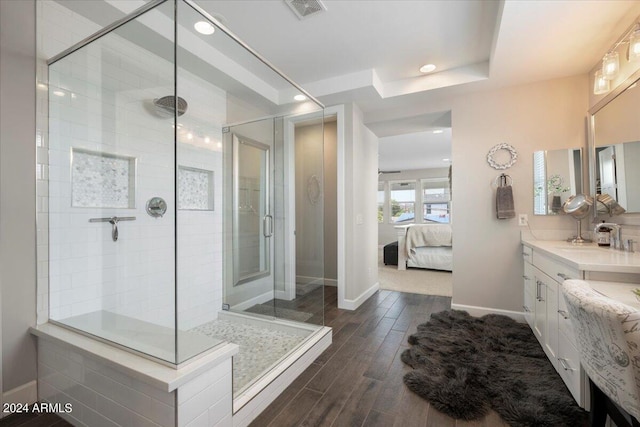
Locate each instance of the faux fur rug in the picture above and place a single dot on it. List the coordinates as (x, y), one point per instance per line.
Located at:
(464, 365)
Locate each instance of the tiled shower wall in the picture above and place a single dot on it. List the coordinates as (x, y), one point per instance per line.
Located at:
(101, 102)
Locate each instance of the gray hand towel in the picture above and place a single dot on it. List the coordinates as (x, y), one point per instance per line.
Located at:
(504, 202)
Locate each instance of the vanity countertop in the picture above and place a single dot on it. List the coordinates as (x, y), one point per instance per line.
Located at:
(588, 256)
(622, 292)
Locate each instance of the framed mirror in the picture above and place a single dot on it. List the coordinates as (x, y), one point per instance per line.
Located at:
(557, 175)
(614, 151)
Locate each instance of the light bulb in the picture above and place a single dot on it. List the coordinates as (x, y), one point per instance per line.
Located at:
(600, 84)
(634, 45)
(300, 97)
(610, 66)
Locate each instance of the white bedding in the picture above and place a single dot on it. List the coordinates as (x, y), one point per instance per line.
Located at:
(428, 235)
(436, 258)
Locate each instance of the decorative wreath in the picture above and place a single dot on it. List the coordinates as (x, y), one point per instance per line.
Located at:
(502, 166)
(313, 189)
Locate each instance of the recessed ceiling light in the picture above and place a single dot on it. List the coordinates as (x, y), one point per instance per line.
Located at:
(189, 135)
(438, 131)
(427, 68)
(219, 144)
(204, 27)
(446, 160)
(300, 97)
(207, 140)
(58, 93)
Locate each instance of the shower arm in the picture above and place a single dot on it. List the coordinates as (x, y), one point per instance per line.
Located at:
(114, 220)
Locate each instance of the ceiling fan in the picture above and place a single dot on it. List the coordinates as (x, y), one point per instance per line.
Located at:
(380, 172)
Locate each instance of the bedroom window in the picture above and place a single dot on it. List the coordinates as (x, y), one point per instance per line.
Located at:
(436, 199)
(402, 201)
(380, 202)
(539, 185)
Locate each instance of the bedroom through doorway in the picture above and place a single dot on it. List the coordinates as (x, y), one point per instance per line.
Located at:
(415, 242)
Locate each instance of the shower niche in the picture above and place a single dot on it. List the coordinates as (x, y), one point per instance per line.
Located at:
(207, 126)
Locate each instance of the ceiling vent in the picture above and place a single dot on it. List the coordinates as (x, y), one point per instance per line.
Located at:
(305, 8)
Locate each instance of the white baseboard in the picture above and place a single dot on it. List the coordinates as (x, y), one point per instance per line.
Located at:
(282, 295)
(267, 296)
(26, 393)
(481, 311)
(331, 282)
(305, 280)
(352, 304)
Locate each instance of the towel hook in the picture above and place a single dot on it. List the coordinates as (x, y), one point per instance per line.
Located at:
(502, 180)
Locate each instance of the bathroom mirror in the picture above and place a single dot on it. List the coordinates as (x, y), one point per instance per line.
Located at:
(615, 147)
(557, 175)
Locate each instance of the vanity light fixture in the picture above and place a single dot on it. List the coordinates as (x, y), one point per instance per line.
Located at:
(600, 84)
(58, 93)
(207, 140)
(427, 68)
(299, 97)
(610, 65)
(204, 27)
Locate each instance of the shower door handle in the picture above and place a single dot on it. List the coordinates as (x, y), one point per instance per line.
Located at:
(268, 219)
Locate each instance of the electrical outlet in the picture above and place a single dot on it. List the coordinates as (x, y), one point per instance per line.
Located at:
(523, 219)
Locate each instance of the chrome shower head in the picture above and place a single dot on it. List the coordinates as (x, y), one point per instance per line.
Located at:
(166, 106)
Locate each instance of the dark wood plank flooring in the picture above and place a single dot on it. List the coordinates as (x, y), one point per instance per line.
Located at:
(34, 420)
(357, 381)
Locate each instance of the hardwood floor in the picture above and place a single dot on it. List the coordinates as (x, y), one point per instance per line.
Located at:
(357, 381)
(33, 420)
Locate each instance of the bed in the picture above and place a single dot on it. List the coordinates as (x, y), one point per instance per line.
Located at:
(425, 246)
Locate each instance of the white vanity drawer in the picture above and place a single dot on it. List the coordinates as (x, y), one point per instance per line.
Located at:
(564, 319)
(555, 269)
(569, 368)
(527, 253)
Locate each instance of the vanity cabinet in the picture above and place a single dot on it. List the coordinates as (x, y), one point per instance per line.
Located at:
(546, 265)
(546, 314)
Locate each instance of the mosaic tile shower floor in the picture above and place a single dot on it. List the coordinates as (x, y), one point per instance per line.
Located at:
(259, 347)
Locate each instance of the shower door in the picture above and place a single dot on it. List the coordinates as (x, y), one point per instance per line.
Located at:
(252, 221)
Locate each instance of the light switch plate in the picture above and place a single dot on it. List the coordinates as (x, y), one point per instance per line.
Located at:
(523, 219)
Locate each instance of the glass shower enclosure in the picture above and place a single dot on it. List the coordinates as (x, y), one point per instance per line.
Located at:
(173, 192)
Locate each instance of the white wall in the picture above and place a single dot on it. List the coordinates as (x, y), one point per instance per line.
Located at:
(361, 221)
(330, 201)
(386, 231)
(17, 192)
(310, 219)
(545, 115)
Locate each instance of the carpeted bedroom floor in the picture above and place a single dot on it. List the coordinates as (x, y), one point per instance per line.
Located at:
(414, 280)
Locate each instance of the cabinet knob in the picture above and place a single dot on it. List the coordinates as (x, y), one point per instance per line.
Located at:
(563, 276)
(564, 314)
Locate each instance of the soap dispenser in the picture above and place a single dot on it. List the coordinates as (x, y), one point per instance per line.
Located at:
(603, 236)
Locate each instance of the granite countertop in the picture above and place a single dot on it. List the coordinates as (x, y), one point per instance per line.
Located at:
(588, 256)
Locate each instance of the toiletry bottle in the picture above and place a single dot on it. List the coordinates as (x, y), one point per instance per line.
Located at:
(603, 237)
